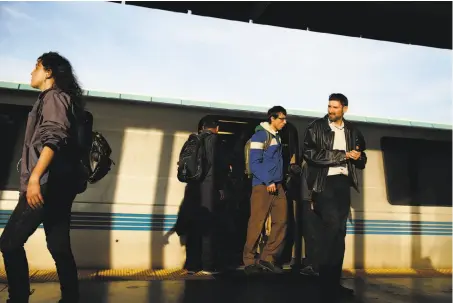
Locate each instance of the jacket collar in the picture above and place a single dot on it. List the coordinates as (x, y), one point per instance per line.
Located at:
(326, 126)
(44, 92)
(266, 126)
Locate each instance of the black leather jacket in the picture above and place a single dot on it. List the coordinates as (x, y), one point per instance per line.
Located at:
(319, 153)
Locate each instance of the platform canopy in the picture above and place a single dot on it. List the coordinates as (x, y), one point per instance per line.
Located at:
(410, 22)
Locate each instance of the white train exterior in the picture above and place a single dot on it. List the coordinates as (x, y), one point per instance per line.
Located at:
(123, 221)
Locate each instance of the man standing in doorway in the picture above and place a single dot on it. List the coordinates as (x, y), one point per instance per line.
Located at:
(268, 196)
(334, 149)
(203, 241)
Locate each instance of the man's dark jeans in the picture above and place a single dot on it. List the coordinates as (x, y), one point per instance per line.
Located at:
(55, 216)
(332, 207)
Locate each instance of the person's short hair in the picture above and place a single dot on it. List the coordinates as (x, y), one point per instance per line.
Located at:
(210, 123)
(340, 98)
(274, 111)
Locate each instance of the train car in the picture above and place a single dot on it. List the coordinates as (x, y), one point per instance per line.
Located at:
(400, 219)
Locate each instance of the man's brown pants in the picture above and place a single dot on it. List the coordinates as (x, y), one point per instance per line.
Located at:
(262, 203)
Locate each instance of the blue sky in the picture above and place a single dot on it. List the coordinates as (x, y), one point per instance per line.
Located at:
(136, 50)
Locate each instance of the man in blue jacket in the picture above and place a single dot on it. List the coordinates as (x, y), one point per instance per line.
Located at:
(268, 196)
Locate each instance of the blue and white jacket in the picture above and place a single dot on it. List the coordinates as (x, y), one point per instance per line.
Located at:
(266, 165)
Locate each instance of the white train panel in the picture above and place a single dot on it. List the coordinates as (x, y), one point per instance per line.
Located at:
(124, 220)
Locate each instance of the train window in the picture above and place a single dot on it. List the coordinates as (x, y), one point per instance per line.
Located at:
(13, 119)
(417, 171)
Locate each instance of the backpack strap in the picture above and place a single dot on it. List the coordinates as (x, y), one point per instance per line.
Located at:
(268, 141)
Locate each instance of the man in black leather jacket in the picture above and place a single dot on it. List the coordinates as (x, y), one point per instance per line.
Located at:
(334, 149)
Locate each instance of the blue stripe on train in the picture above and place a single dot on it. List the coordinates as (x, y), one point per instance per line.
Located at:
(162, 222)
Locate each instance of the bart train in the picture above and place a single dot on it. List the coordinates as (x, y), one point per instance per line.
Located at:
(400, 219)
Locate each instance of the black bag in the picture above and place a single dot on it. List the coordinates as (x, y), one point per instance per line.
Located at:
(93, 149)
(191, 159)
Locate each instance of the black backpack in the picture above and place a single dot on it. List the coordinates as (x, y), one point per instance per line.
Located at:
(191, 159)
(93, 150)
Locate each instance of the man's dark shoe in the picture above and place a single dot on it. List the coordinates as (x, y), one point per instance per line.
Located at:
(309, 271)
(252, 269)
(345, 292)
(270, 266)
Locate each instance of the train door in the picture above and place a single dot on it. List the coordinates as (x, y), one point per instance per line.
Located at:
(234, 132)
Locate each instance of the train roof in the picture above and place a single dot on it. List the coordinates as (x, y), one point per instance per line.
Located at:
(230, 106)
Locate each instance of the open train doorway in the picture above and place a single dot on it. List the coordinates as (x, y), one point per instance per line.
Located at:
(234, 132)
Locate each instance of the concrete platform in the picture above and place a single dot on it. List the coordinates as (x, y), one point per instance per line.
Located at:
(239, 288)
